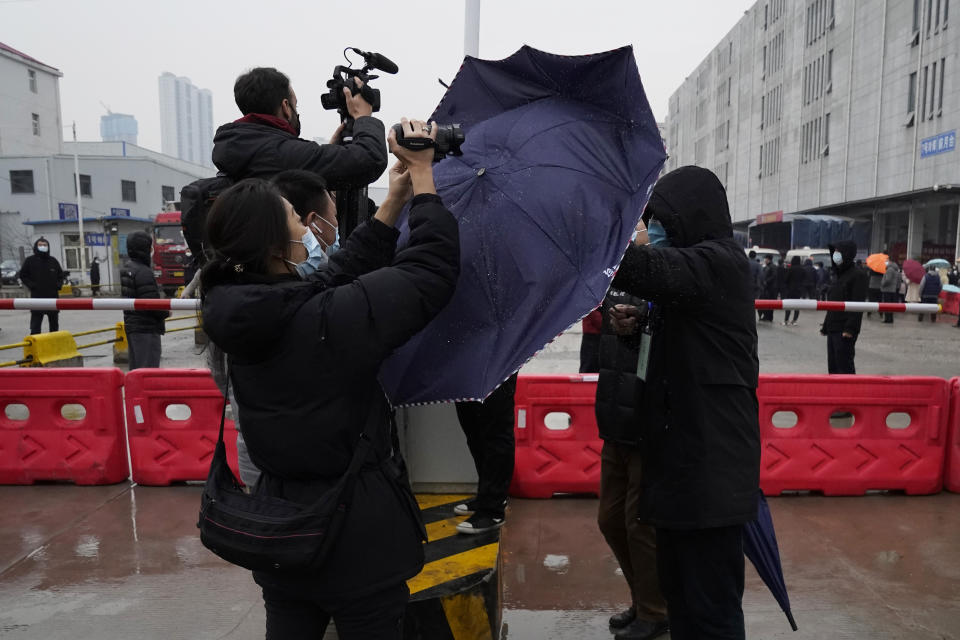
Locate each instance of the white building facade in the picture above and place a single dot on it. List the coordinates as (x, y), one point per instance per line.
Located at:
(30, 94)
(839, 107)
(186, 120)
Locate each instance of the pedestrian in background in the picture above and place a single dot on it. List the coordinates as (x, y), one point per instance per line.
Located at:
(930, 292)
(810, 283)
(873, 287)
(95, 277)
(890, 287)
(143, 328)
(42, 275)
(771, 286)
(843, 327)
(794, 284)
(756, 279)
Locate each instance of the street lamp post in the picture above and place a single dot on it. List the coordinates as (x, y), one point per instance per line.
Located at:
(76, 178)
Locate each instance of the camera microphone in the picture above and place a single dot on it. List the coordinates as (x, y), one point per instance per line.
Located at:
(377, 61)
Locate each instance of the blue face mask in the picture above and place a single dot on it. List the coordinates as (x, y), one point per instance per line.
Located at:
(316, 257)
(657, 234)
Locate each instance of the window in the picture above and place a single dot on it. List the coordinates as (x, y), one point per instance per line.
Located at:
(936, 18)
(946, 12)
(21, 181)
(826, 135)
(933, 88)
(71, 251)
(943, 64)
(32, 77)
(923, 93)
(168, 193)
(36, 123)
(86, 187)
(916, 15)
(830, 71)
(912, 93)
(128, 190)
(929, 15)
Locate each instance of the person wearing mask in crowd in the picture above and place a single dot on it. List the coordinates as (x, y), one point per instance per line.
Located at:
(890, 287)
(794, 285)
(332, 329)
(95, 276)
(265, 141)
(913, 289)
(843, 327)
(873, 287)
(810, 282)
(143, 328)
(621, 466)
(42, 275)
(698, 417)
(756, 278)
(771, 286)
(823, 281)
(930, 292)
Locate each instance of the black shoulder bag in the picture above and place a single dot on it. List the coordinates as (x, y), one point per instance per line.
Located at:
(266, 533)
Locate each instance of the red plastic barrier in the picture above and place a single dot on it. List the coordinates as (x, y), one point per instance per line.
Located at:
(950, 302)
(62, 425)
(169, 443)
(881, 450)
(951, 479)
(560, 454)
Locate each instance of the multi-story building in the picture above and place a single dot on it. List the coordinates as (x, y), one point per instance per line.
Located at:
(30, 95)
(186, 120)
(118, 127)
(832, 107)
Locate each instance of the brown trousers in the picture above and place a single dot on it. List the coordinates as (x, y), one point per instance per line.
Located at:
(633, 544)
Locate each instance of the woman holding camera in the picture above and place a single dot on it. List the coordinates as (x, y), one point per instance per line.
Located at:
(303, 360)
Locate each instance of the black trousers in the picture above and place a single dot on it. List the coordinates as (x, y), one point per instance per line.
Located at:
(701, 576)
(889, 296)
(143, 350)
(840, 353)
(590, 353)
(378, 616)
(488, 426)
(36, 321)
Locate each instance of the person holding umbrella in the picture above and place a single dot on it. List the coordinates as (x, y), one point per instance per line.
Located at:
(890, 287)
(699, 418)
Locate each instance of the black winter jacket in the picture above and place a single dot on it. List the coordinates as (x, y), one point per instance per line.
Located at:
(248, 150)
(701, 431)
(618, 387)
(794, 282)
(137, 281)
(850, 286)
(303, 360)
(41, 274)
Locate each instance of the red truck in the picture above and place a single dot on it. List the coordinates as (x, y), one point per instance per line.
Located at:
(170, 253)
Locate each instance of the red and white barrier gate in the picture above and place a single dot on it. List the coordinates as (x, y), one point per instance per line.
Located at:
(62, 425)
(557, 445)
(173, 416)
(846, 435)
(951, 476)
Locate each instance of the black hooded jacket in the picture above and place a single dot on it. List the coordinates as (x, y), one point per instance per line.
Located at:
(303, 359)
(618, 387)
(701, 435)
(850, 285)
(249, 150)
(41, 274)
(137, 281)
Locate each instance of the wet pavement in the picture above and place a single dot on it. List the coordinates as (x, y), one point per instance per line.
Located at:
(120, 562)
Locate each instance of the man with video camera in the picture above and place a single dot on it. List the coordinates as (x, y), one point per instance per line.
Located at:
(265, 141)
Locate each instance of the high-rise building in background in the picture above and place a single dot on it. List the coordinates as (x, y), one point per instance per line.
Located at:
(186, 120)
(118, 127)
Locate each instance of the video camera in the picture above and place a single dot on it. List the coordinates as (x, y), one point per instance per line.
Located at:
(343, 77)
(449, 139)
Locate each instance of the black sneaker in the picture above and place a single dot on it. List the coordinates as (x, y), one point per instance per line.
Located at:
(642, 630)
(622, 619)
(469, 507)
(466, 508)
(479, 523)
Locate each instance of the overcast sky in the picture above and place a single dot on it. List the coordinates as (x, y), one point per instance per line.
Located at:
(113, 51)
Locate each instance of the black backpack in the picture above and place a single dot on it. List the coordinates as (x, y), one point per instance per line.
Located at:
(195, 201)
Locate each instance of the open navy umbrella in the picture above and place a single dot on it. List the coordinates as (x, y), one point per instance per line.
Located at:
(561, 153)
(760, 545)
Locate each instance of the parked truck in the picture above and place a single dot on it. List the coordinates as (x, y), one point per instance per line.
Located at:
(170, 253)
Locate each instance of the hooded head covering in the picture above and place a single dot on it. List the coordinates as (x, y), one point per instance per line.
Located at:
(847, 249)
(691, 204)
(138, 247)
(36, 251)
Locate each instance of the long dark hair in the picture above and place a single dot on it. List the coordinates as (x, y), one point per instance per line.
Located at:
(246, 226)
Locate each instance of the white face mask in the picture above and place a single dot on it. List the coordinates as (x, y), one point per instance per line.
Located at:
(837, 258)
(316, 257)
(43, 248)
